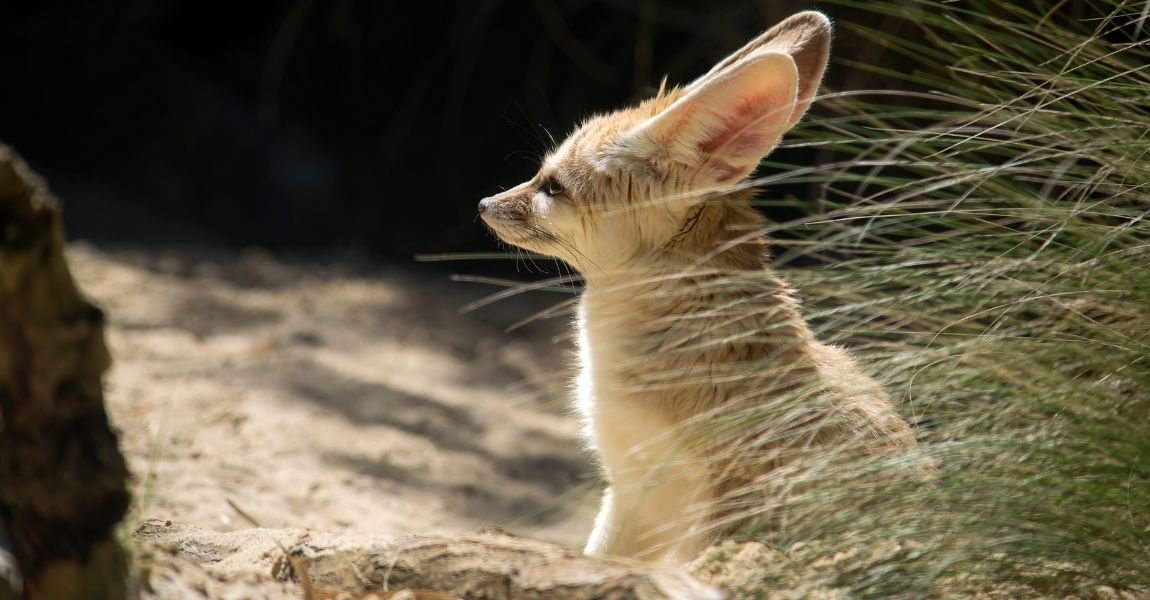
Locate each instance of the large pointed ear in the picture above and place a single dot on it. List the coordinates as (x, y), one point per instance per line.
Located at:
(716, 133)
(805, 37)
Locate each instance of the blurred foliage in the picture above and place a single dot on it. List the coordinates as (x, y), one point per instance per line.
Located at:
(347, 123)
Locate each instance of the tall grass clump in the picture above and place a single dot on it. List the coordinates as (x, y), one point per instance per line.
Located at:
(983, 245)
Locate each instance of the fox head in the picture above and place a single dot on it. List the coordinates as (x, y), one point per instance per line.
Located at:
(624, 185)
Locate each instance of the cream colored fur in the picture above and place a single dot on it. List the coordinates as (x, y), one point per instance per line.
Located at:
(681, 324)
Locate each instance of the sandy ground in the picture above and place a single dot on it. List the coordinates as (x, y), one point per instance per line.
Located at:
(336, 395)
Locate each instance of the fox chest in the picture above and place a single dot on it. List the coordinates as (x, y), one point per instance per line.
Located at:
(626, 417)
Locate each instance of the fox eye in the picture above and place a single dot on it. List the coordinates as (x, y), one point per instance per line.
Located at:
(551, 187)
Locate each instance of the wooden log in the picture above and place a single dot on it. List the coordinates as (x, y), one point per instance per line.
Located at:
(63, 481)
(489, 564)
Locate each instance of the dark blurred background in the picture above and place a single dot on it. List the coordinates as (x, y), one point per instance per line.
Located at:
(311, 124)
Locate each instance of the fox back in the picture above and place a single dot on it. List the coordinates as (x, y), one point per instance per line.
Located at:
(681, 324)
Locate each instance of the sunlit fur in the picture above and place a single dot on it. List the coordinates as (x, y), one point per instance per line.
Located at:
(681, 323)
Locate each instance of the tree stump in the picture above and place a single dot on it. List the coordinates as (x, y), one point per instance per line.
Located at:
(63, 481)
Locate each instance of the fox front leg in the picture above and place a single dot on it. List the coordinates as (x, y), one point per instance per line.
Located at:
(654, 520)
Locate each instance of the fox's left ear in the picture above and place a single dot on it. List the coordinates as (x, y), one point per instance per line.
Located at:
(806, 38)
(733, 116)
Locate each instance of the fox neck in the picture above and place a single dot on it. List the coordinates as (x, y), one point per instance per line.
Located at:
(710, 282)
(720, 235)
(682, 332)
(723, 234)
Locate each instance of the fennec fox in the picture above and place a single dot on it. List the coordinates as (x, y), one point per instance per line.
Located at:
(680, 324)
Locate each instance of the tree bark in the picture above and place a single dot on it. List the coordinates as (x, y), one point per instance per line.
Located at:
(490, 565)
(63, 481)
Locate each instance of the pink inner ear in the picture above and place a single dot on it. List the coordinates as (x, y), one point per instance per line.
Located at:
(748, 131)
